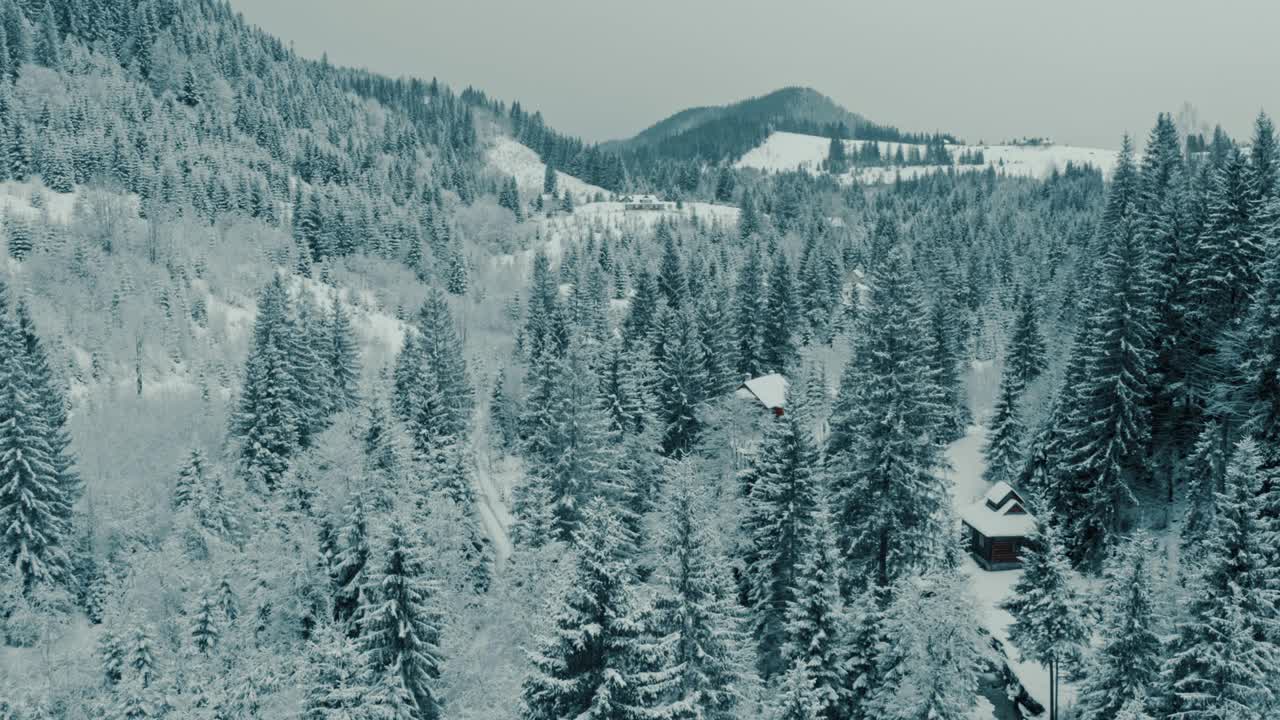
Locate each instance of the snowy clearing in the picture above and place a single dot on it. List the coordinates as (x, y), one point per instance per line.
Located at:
(784, 152)
(512, 158)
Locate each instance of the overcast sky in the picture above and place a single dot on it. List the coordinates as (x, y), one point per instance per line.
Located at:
(1081, 71)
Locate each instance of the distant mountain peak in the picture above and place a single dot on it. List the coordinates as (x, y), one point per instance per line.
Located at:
(716, 133)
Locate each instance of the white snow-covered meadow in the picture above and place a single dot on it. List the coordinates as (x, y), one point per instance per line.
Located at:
(786, 151)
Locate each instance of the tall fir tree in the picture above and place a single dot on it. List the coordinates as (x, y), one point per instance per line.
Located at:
(889, 503)
(1108, 434)
(814, 620)
(1128, 664)
(749, 308)
(1026, 355)
(778, 350)
(1224, 660)
(35, 506)
(1048, 627)
(586, 664)
(695, 610)
(782, 499)
(400, 626)
(1003, 450)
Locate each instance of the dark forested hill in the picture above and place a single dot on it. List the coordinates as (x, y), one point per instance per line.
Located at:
(727, 131)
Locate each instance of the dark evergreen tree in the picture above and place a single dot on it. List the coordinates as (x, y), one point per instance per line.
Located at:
(785, 482)
(1047, 624)
(814, 621)
(749, 309)
(890, 504)
(778, 350)
(680, 390)
(1108, 431)
(945, 361)
(1025, 358)
(1128, 664)
(1224, 659)
(48, 44)
(695, 612)
(587, 665)
(400, 626)
(35, 502)
(1003, 451)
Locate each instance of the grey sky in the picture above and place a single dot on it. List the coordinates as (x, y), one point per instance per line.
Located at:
(1081, 71)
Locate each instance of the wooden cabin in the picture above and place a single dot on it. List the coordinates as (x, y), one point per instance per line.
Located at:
(997, 527)
(767, 390)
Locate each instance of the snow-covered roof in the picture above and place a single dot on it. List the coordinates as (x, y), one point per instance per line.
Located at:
(1008, 520)
(769, 390)
(999, 492)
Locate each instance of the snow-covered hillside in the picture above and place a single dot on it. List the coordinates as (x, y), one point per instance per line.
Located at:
(512, 158)
(784, 151)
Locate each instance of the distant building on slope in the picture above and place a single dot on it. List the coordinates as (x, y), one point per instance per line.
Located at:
(645, 202)
(997, 527)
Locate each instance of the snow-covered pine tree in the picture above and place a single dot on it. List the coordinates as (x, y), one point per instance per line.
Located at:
(1223, 270)
(400, 624)
(1206, 469)
(336, 682)
(571, 451)
(206, 626)
(862, 637)
(796, 697)
(504, 415)
(778, 349)
(549, 180)
(1048, 627)
(671, 276)
(1025, 358)
(1108, 431)
(349, 566)
(1128, 664)
(814, 619)
(944, 360)
(889, 501)
(716, 340)
(267, 418)
(433, 395)
(781, 503)
(749, 309)
(35, 507)
(190, 480)
(1251, 393)
(1225, 660)
(342, 358)
(929, 660)
(680, 382)
(1003, 450)
(585, 665)
(695, 611)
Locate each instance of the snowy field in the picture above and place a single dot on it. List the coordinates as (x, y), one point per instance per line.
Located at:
(784, 152)
(512, 158)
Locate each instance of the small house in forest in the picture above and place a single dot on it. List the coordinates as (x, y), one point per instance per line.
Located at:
(768, 390)
(645, 202)
(997, 527)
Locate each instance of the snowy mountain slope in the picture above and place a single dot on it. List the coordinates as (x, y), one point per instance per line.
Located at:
(512, 158)
(784, 151)
(613, 217)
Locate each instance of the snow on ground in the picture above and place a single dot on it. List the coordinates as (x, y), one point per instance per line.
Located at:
(15, 197)
(511, 158)
(496, 481)
(783, 151)
(613, 217)
(991, 588)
